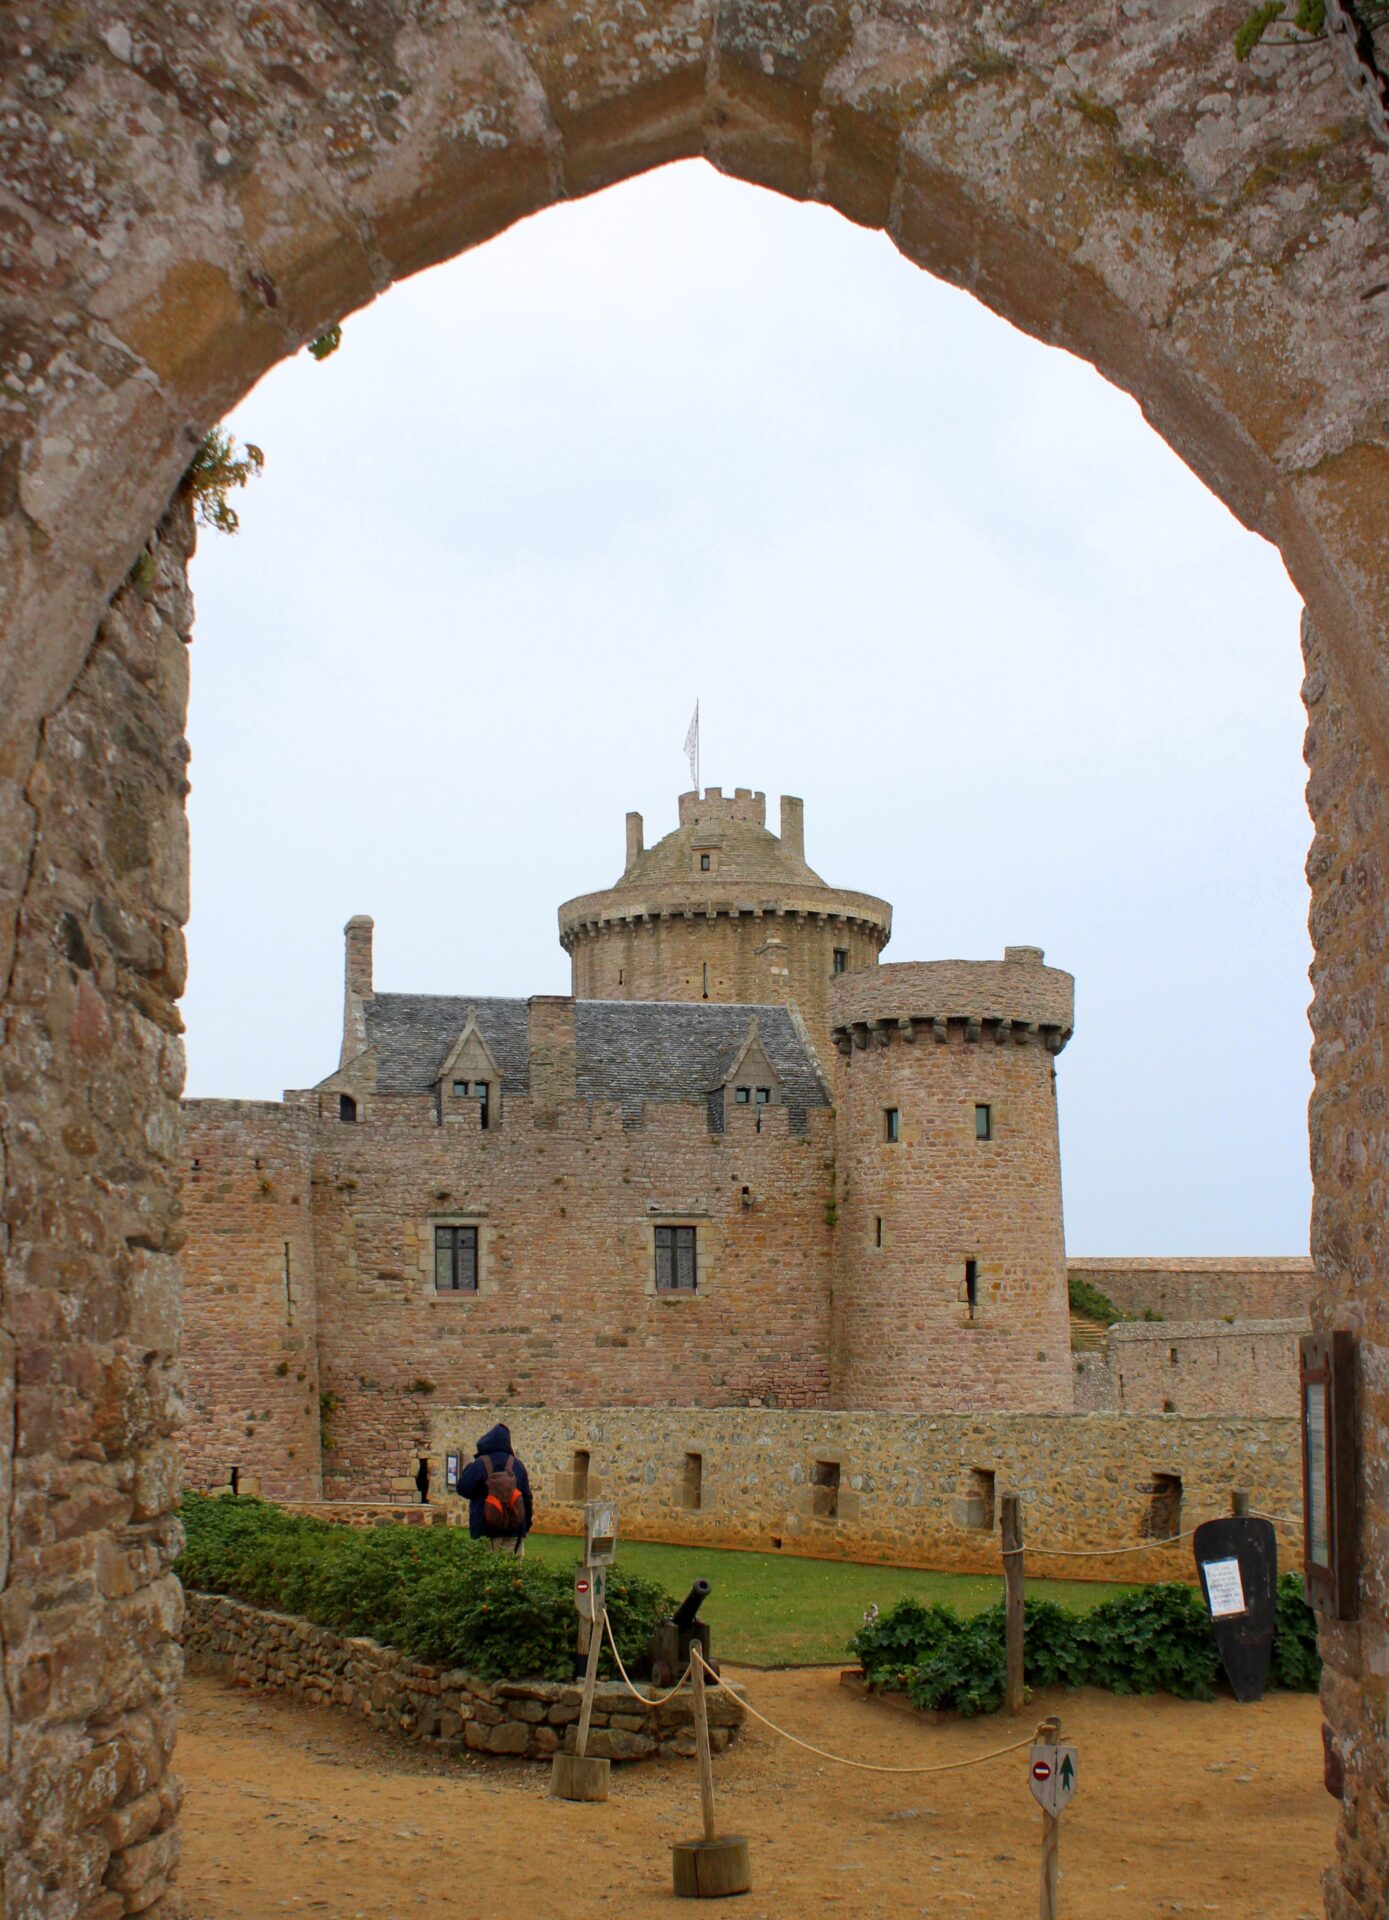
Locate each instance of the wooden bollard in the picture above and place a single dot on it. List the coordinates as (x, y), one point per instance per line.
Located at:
(574, 1776)
(1015, 1691)
(708, 1869)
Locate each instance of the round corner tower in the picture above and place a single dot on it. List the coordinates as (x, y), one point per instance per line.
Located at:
(950, 1285)
(723, 909)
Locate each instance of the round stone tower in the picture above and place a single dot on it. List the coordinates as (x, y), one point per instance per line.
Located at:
(950, 1285)
(721, 909)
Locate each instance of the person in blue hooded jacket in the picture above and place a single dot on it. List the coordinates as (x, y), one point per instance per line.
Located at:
(495, 1454)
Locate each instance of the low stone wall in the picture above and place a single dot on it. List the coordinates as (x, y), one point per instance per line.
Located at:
(1233, 1289)
(456, 1711)
(1193, 1367)
(906, 1489)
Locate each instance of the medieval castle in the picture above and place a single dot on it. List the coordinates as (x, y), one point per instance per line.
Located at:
(744, 1166)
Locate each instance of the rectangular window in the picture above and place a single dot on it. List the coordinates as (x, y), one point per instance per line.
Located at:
(892, 1123)
(675, 1259)
(977, 1498)
(824, 1489)
(692, 1486)
(704, 863)
(841, 959)
(460, 1089)
(455, 1259)
(742, 1095)
(482, 1093)
(877, 1230)
(764, 1096)
(983, 1123)
(1162, 1519)
(972, 1286)
(578, 1474)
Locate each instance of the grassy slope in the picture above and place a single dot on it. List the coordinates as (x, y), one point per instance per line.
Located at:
(773, 1609)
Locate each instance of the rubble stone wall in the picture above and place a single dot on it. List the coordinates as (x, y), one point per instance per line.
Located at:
(906, 1489)
(89, 1298)
(447, 1708)
(1206, 1366)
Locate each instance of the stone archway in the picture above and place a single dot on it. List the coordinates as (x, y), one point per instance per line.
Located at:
(188, 195)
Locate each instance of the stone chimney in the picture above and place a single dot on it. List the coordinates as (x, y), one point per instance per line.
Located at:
(358, 985)
(793, 827)
(634, 840)
(553, 1051)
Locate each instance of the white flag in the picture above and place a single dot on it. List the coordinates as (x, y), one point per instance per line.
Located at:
(692, 746)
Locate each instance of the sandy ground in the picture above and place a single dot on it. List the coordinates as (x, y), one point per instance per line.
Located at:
(1179, 1809)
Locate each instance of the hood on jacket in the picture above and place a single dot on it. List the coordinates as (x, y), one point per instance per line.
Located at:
(496, 1440)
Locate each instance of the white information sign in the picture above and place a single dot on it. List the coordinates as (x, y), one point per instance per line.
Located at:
(1052, 1777)
(1224, 1588)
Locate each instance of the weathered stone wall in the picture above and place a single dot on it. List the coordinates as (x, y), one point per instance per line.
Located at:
(89, 1179)
(909, 1485)
(1350, 1242)
(1193, 1367)
(566, 1309)
(443, 1707)
(250, 1309)
(1202, 1289)
(914, 1211)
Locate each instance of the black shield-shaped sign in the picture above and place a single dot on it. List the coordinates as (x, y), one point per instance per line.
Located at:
(1237, 1559)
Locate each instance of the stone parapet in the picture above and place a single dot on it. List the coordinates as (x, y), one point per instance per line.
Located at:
(1193, 1367)
(904, 1489)
(1010, 1000)
(444, 1707)
(1203, 1288)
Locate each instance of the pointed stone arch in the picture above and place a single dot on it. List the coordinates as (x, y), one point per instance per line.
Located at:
(188, 200)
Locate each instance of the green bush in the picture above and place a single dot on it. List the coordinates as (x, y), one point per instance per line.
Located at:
(1157, 1638)
(431, 1591)
(1091, 1302)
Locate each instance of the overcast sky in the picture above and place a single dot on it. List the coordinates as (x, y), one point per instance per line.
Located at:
(688, 440)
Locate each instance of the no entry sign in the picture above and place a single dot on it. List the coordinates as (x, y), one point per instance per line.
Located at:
(1053, 1778)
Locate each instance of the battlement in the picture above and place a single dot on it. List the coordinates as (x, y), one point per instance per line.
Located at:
(714, 808)
(1014, 999)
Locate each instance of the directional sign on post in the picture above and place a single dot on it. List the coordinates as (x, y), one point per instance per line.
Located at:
(1053, 1778)
(590, 1592)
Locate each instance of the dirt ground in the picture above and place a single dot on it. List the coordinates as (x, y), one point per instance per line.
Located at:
(1179, 1809)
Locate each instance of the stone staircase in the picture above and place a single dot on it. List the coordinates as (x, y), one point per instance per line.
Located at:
(1087, 1335)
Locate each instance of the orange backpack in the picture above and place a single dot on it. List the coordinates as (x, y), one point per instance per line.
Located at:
(503, 1509)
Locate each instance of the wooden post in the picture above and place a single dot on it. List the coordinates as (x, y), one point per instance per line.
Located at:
(573, 1776)
(1239, 1504)
(706, 1758)
(709, 1868)
(1013, 1590)
(1051, 1852)
(1050, 1734)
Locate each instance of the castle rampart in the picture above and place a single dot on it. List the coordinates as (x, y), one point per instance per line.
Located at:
(250, 1334)
(1202, 1289)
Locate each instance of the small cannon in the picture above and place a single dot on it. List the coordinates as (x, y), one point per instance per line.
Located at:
(669, 1652)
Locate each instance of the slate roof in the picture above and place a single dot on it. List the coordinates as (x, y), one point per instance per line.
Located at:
(629, 1051)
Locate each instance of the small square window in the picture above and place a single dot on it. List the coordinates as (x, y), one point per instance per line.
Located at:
(764, 1096)
(742, 1095)
(841, 959)
(460, 1089)
(983, 1123)
(892, 1123)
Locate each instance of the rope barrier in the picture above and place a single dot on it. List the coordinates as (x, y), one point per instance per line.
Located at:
(1097, 1553)
(647, 1699)
(1282, 1519)
(863, 1766)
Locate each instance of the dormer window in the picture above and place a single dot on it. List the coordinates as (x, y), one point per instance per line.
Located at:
(479, 1090)
(763, 1096)
(742, 1095)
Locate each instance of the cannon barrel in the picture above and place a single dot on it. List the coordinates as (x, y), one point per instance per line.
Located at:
(688, 1611)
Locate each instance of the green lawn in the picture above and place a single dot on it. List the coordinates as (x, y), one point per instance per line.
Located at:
(773, 1610)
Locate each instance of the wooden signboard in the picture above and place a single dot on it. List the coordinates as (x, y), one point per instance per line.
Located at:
(1237, 1559)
